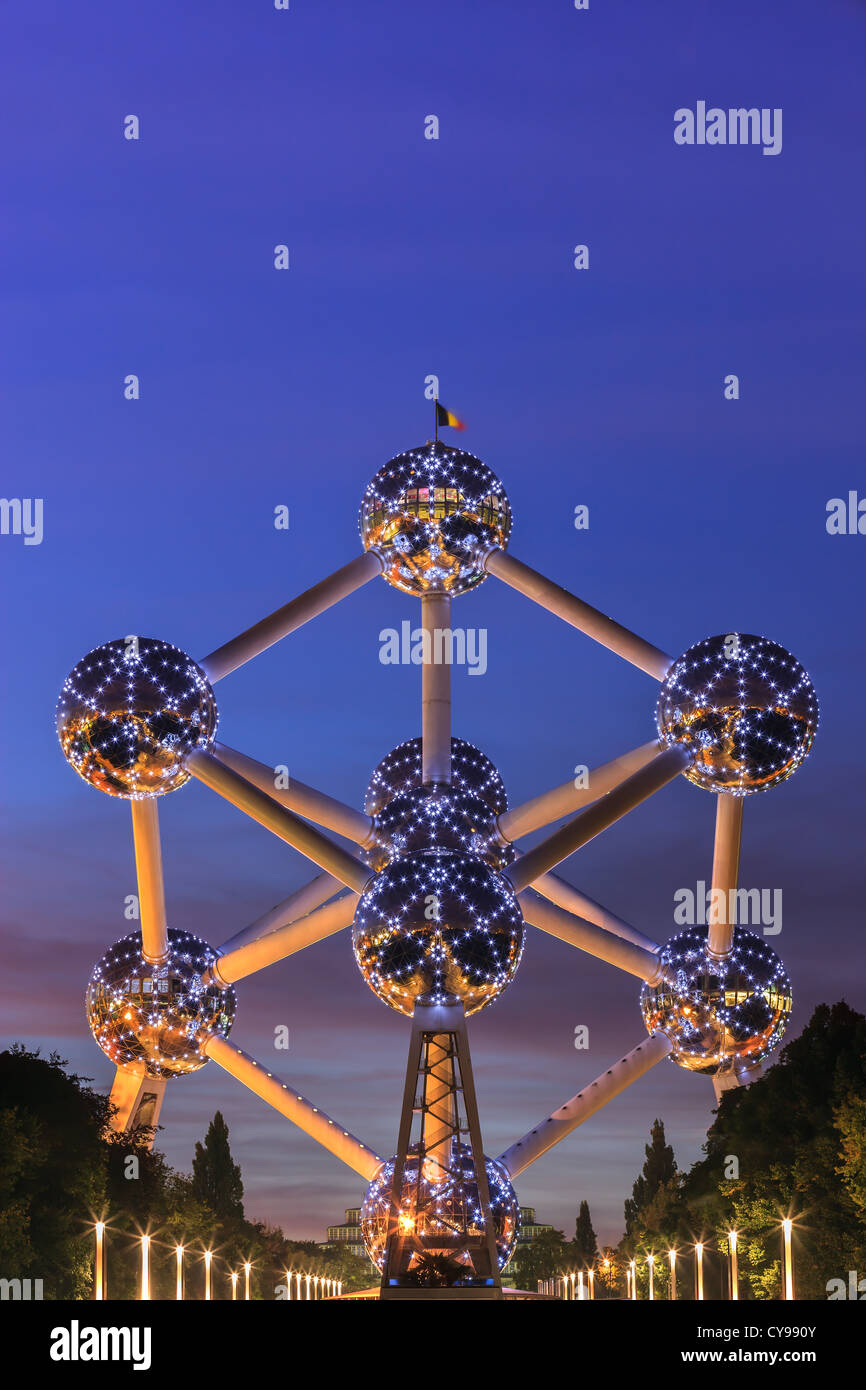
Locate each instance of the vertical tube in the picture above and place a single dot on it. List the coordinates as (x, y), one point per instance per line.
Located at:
(633, 1268)
(234, 1285)
(208, 1288)
(439, 1118)
(151, 893)
(735, 1283)
(726, 865)
(178, 1285)
(672, 1256)
(581, 1295)
(436, 690)
(699, 1251)
(650, 1264)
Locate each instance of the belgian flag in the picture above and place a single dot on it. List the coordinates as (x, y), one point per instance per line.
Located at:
(444, 417)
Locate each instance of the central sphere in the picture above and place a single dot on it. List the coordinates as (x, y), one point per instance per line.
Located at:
(158, 1015)
(442, 1211)
(719, 1015)
(438, 924)
(401, 770)
(745, 708)
(431, 514)
(438, 818)
(129, 713)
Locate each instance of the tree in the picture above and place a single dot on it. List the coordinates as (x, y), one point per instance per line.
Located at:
(585, 1245)
(546, 1257)
(659, 1169)
(52, 1172)
(216, 1178)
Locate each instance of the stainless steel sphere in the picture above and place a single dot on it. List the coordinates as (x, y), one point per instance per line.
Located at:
(745, 708)
(434, 1216)
(720, 1016)
(438, 818)
(401, 770)
(129, 713)
(438, 924)
(430, 514)
(159, 1015)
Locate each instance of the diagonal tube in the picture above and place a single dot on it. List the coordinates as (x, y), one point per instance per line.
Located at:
(604, 945)
(581, 615)
(297, 796)
(591, 1099)
(566, 799)
(295, 906)
(584, 827)
(556, 890)
(235, 965)
(292, 615)
(282, 823)
(288, 1102)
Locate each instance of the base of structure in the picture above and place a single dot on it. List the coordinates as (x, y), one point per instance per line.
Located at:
(138, 1100)
(447, 1295)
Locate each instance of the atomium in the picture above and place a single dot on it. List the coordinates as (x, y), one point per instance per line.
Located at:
(159, 1015)
(744, 706)
(438, 924)
(720, 1015)
(433, 879)
(401, 771)
(431, 514)
(449, 1209)
(130, 712)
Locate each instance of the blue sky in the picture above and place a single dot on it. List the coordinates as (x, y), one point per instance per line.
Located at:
(260, 388)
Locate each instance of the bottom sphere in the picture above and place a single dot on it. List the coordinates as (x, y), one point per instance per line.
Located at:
(439, 1217)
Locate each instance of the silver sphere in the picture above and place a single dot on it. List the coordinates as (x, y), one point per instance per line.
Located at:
(158, 1015)
(745, 708)
(129, 713)
(446, 1209)
(402, 769)
(438, 818)
(431, 514)
(438, 925)
(720, 1016)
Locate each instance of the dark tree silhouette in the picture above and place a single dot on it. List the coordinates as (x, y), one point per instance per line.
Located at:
(216, 1178)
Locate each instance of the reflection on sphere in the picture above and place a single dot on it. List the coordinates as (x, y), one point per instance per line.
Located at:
(744, 707)
(158, 1015)
(130, 712)
(431, 514)
(719, 1015)
(438, 925)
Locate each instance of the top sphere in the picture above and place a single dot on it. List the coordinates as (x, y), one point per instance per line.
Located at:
(129, 713)
(431, 513)
(401, 771)
(745, 708)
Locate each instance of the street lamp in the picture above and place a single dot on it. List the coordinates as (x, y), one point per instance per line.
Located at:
(699, 1251)
(308, 1278)
(145, 1267)
(672, 1256)
(234, 1285)
(789, 1263)
(178, 1255)
(735, 1283)
(208, 1290)
(247, 1268)
(99, 1270)
(651, 1259)
(632, 1264)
